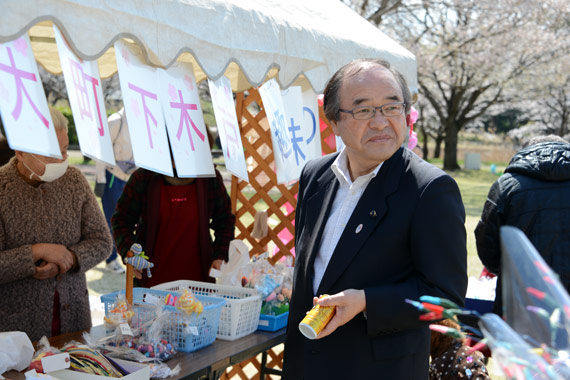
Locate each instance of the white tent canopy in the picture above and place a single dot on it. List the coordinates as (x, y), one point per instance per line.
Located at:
(247, 40)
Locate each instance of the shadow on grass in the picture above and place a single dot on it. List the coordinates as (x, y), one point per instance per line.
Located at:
(102, 281)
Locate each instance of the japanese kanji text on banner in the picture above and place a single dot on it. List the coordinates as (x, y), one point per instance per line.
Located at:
(302, 125)
(228, 128)
(86, 99)
(185, 122)
(140, 89)
(23, 105)
(286, 167)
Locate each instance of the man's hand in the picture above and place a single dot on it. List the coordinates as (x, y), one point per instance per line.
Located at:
(348, 304)
(217, 264)
(53, 253)
(46, 271)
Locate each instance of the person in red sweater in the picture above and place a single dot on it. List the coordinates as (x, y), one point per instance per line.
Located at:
(171, 218)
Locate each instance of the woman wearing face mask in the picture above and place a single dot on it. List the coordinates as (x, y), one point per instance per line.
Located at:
(51, 232)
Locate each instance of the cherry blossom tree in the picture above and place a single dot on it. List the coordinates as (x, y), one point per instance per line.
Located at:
(474, 55)
(469, 54)
(551, 101)
(374, 10)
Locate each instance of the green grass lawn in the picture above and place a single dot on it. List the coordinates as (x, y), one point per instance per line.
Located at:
(474, 186)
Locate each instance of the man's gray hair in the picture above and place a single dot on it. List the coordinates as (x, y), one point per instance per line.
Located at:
(331, 103)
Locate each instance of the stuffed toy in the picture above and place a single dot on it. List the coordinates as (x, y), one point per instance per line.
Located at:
(451, 359)
(139, 261)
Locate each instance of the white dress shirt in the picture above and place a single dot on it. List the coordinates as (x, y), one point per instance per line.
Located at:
(347, 196)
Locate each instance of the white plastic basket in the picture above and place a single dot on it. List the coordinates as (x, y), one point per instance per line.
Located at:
(240, 314)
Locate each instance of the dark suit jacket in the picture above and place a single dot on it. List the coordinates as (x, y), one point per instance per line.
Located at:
(412, 243)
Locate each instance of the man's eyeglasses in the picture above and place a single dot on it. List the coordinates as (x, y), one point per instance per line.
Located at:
(368, 112)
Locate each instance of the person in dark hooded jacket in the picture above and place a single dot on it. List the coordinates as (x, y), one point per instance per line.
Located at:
(534, 196)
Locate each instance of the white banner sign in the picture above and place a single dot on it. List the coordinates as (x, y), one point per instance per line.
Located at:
(23, 105)
(86, 99)
(302, 125)
(140, 89)
(228, 128)
(185, 122)
(287, 169)
(311, 130)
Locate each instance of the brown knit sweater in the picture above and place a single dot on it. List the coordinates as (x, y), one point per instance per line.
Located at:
(65, 212)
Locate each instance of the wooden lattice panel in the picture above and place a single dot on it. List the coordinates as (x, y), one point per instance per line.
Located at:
(328, 143)
(262, 188)
(249, 369)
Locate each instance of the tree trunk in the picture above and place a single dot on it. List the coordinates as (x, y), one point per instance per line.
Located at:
(437, 151)
(450, 157)
(562, 129)
(425, 140)
(425, 150)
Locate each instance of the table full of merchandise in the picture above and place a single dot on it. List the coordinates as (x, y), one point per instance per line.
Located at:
(207, 363)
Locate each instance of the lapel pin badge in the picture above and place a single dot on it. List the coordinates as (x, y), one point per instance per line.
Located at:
(373, 213)
(359, 228)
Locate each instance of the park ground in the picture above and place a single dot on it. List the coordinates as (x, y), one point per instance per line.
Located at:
(474, 186)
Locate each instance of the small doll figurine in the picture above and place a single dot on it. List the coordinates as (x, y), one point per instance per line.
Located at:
(188, 303)
(139, 261)
(122, 312)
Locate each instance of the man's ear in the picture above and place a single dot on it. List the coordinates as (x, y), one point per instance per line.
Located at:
(335, 128)
(19, 154)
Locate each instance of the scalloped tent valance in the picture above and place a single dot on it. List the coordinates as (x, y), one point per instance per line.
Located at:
(247, 40)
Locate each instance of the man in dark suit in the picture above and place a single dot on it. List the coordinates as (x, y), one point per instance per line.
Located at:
(374, 225)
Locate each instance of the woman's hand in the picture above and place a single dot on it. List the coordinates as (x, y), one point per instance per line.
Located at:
(46, 271)
(53, 253)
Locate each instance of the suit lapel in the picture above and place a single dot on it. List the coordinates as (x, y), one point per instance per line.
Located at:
(320, 205)
(368, 212)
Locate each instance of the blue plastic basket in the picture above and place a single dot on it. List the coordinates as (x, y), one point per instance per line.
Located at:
(185, 332)
(239, 316)
(272, 322)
